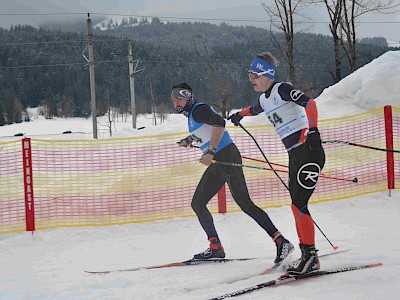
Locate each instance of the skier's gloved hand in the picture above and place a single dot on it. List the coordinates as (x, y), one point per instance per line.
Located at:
(186, 142)
(313, 139)
(235, 118)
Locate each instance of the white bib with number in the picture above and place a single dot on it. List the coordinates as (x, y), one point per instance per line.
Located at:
(286, 116)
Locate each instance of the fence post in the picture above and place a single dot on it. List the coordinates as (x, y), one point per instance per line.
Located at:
(222, 200)
(389, 145)
(28, 184)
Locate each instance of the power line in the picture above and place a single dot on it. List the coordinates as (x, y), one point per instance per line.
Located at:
(94, 40)
(39, 66)
(57, 65)
(185, 18)
(44, 43)
(225, 60)
(62, 42)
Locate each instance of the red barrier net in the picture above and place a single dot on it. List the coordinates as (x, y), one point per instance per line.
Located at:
(141, 179)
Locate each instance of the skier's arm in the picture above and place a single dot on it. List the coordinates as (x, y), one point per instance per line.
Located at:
(253, 110)
(312, 113)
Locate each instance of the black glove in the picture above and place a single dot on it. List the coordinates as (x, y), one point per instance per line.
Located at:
(186, 142)
(313, 139)
(235, 118)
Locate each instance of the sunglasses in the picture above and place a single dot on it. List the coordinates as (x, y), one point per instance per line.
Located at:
(177, 99)
(254, 75)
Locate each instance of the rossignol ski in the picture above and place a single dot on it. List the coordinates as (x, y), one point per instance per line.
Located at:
(286, 279)
(275, 268)
(189, 262)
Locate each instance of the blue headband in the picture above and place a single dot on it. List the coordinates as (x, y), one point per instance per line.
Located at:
(259, 65)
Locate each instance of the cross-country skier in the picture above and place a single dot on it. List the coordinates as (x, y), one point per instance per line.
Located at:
(207, 130)
(294, 116)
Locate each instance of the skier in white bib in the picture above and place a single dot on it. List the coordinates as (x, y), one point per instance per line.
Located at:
(295, 118)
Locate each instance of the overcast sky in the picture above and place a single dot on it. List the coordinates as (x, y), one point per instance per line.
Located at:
(14, 12)
(128, 6)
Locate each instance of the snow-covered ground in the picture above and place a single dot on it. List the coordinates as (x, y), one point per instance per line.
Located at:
(50, 264)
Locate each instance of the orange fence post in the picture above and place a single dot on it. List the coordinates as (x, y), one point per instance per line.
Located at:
(222, 200)
(389, 145)
(28, 184)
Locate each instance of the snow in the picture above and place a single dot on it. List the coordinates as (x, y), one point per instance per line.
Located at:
(49, 264)
(371, 86)
(393, 44)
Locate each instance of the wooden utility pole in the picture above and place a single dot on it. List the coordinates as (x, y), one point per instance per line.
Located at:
(132, 72)
(153, 102)
(91, 73)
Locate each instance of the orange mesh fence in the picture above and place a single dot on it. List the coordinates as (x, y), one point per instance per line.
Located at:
(396, 145)
(112, 181)
(139, 179)
(12, 199)
(344, 163)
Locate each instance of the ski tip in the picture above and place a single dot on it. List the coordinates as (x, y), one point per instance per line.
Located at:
(376, 265)
(335, 247)
(97, 272)
(269, 270)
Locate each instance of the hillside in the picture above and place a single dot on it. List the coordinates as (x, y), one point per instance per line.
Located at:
(46, 67)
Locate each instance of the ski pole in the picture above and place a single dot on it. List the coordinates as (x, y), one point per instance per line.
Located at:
(324, 175)
(355, 180)
(249, 158)
(245, 166)
(360, 145)
(259, 160)
(266, 159)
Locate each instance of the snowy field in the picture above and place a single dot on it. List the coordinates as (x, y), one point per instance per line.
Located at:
(50, 264)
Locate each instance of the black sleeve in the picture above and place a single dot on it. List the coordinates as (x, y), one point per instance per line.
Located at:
(289, 93)
(203, 114)
(256, 109)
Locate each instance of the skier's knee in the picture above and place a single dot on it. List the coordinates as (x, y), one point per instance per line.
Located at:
(197, 207)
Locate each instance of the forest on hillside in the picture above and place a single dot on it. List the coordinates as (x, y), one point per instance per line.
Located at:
(46, 67)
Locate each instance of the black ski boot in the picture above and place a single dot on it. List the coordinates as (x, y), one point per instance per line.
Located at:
(283, 248)
(215, 251)
(308, 262)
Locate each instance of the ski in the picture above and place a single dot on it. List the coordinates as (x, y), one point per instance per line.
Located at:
(286, 279)
(275, 268)
(189, 262)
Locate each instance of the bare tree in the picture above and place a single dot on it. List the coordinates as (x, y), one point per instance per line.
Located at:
(334, 8)
(282, 14)
(153, 107)
(8, 106)
(220, 85)
(224, 89)
(351, 12)
(123, 109)
(48, 108)
(2, 117)
(163, 110)
(343, 15)
(110, 112)
(66, 106)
